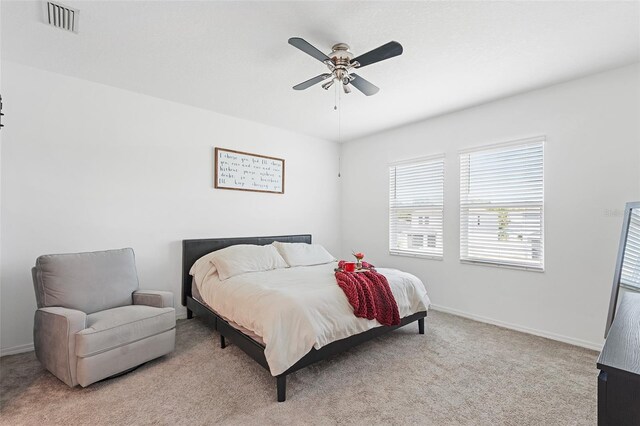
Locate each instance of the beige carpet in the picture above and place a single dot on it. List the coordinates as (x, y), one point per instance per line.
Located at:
(459, 372)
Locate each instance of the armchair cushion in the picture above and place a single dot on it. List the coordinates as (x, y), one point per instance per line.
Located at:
(121, 326)
(159, 299)
(88, 282)
(54, 337)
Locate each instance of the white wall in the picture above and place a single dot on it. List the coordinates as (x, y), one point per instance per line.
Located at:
(88, 167)
(91, 167)
(591, 170)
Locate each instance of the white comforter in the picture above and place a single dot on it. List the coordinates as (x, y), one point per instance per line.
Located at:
(295, 309)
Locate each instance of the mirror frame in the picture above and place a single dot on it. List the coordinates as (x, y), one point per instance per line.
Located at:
(615, 290)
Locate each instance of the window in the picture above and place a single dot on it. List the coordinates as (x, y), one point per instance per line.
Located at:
(416, 198)
(502, 205)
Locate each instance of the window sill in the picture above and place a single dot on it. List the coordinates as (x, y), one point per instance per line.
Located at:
(503, 265)
(422, 256)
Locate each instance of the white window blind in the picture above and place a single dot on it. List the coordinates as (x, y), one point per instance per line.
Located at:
(502, 205)
(630, 275)
(416, 204)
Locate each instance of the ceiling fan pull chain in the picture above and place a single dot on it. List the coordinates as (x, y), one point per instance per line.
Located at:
(339, 115)
(339, 98)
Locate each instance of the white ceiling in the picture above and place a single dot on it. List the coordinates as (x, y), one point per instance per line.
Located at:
(233, 57)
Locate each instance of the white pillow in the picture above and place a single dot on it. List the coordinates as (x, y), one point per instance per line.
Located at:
(241, 258)
(202, 267)
(303, 254)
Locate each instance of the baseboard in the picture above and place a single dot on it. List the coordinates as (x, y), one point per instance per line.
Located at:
(576, 342)
(503, 324)
(29, 346)
(16, 349)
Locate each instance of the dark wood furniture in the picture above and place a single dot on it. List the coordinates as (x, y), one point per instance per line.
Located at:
(192, 250)
(619, 365)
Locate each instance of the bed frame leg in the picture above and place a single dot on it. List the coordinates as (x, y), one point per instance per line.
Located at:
(281, 382)
(189, 314)
(223, 343)
(421, 326)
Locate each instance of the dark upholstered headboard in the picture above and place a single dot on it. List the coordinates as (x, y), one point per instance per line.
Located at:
(193, 250)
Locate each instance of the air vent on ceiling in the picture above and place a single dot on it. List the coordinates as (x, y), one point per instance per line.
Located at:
(60, 16)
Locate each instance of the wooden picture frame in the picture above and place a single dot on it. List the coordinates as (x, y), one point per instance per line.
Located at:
(245, 171)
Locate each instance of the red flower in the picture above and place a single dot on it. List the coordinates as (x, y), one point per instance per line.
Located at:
(358, 255)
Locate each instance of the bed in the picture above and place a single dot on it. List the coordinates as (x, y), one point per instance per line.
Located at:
(193, 297)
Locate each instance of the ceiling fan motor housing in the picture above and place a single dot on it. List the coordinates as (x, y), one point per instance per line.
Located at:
(340, 54)
(341, 59)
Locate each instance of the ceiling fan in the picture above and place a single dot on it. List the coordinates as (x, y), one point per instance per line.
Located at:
(341, 64)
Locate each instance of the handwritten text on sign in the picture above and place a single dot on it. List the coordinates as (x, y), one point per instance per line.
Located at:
(249, 172)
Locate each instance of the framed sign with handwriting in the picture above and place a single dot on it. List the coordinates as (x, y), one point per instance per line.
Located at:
(244, 171)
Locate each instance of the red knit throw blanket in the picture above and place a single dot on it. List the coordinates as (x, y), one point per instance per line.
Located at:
(369, 294)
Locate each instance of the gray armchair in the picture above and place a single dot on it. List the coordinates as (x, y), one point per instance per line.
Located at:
(92, 321)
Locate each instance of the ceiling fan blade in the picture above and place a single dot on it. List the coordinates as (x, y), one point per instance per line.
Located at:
(307, 48)
(363, 85)
(315, 80)
(386, 51)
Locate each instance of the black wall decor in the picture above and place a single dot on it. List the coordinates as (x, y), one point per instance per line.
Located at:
(1, 114)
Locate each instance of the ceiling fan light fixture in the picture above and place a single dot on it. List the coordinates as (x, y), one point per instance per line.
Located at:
(328, 84)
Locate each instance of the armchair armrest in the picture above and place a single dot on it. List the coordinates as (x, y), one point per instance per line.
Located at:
(54, 339)
(155, 298)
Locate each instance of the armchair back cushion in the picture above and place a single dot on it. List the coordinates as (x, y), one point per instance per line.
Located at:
(88, 282)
